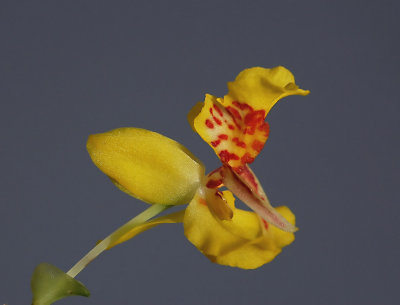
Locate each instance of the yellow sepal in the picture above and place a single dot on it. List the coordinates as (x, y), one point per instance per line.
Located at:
(147, 165)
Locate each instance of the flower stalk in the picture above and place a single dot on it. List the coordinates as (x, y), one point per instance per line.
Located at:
(152, 211)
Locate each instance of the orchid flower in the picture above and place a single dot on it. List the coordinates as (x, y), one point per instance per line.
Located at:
(163, 173)
(158, 170)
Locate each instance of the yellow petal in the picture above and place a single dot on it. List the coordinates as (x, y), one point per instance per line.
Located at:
(261, 250)
(171, 218)
(239, 242)
(147, 165)
(205, 231)
(261, 88)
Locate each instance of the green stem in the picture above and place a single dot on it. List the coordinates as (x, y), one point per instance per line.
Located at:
(152, 211)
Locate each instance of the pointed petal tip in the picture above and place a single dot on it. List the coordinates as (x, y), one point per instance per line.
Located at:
(290, 228)
(304, 92)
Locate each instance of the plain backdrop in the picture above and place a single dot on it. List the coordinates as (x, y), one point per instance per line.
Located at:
(72, 68)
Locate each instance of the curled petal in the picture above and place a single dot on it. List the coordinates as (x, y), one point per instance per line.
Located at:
(257, 252)
(239, 242)
(205, 231)
(147, 165)
(261, 88)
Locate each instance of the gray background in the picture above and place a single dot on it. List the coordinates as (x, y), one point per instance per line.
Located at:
(72, 68)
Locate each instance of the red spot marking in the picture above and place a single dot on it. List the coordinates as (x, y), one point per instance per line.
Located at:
(231, 127)
(242, 106)
(236, 123)
(209, 124)
(264, 128)
(215, 143)
(265, 224)
(254, 118)
(247, 176)
(212, 184)
(218, 121)
(226, 156)
(202, 201)
(247, 158)
(234, 112)
(249, 130)
(223, 137)
(239, 170)
(239, 143)
(257, 145)
(218, 110)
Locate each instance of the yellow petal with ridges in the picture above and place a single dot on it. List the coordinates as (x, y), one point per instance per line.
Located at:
(240, 242)
(147, 165)
(261, 88)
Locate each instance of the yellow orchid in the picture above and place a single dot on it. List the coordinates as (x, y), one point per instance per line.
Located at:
(158, 170)
(163, 173)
